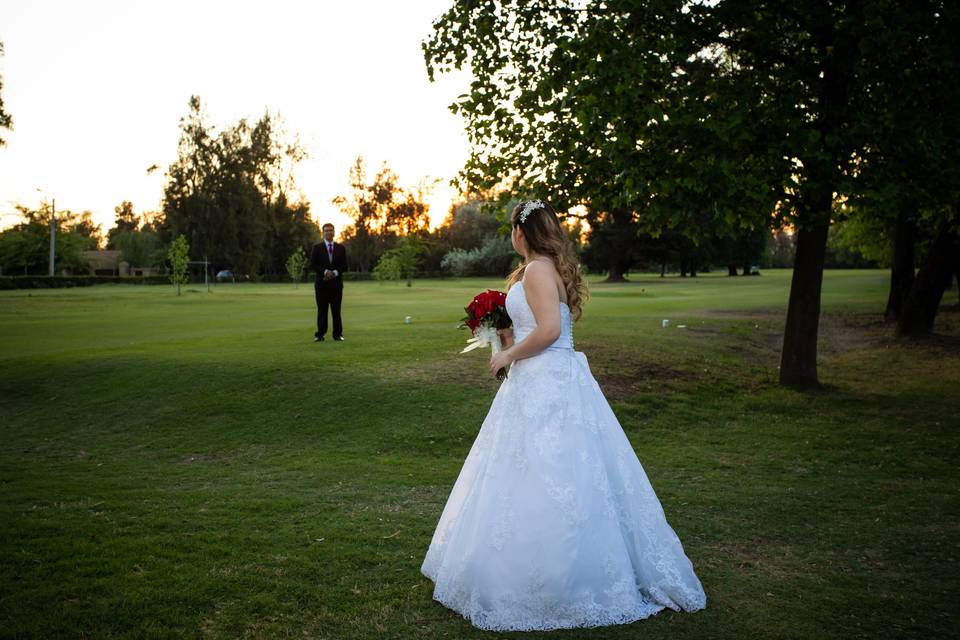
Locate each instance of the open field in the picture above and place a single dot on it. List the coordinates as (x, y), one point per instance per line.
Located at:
(198, 467)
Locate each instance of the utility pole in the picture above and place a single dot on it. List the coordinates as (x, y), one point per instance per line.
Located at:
(53, 237)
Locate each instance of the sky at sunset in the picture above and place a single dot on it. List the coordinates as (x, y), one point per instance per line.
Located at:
(96, 90)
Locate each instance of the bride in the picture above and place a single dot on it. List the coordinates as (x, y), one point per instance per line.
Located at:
(552, 523)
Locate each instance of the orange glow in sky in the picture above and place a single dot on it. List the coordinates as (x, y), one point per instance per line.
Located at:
(96, 90)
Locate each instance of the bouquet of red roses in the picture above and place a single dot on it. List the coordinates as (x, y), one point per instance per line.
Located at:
(486, 313)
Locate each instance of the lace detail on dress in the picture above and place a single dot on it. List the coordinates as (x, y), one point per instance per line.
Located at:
(552, 522)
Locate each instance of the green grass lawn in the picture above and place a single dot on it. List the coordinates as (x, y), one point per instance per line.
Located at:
(198, 467)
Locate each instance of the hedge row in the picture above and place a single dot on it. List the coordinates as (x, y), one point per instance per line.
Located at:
(60, 282)
(353, 276)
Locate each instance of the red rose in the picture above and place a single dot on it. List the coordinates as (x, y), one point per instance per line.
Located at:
(486, 307)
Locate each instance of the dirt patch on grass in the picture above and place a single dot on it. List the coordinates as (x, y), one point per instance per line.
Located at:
(743, 556)
(221, 457)
(843, 332)
(468, 369)
(753, 337)
(749, 314)
(761, 330)
(945, 337)
(623, 374)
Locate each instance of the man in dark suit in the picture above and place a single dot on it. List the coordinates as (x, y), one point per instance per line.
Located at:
(329, 260)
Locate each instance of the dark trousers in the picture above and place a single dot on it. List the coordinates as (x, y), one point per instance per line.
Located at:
(329, 294)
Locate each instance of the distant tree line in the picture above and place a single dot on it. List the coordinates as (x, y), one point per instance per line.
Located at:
(228, 194)
(25, 246)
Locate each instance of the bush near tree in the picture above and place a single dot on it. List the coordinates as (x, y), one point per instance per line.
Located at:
(178, 256)
(399, 263)
(297, 265)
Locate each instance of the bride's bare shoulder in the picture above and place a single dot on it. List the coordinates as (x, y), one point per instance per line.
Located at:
(541, 276)
(541, 270)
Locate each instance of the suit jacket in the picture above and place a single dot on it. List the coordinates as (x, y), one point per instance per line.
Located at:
(320, 261)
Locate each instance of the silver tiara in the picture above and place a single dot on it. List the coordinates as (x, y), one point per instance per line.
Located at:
(529, 208)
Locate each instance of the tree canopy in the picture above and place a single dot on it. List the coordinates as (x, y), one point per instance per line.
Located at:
(382, 211)
(233, 194)
(669, 114)
(6, 121)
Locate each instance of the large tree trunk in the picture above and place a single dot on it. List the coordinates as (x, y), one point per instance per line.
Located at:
(615, 274)
(747, 268)
(732, 270)
(621, 251)
(798, 360)
(902, 266)
(920, 307)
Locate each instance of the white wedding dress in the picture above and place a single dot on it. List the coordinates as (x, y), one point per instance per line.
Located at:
(552, 523)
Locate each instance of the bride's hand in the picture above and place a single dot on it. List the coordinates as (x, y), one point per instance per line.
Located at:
(500, 361)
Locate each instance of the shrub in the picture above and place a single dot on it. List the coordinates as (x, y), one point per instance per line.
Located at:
(399, 263)
(493, 258)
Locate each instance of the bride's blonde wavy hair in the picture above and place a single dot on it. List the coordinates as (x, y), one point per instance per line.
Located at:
(544, 235)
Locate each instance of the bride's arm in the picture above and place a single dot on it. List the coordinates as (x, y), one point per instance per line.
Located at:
(544, 301)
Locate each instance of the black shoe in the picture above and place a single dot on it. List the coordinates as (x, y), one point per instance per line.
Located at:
(318, 338)
(339, 338)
